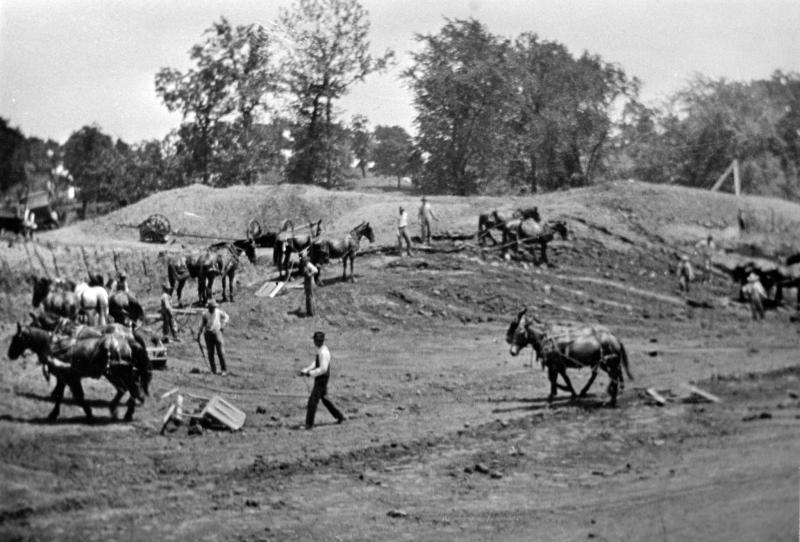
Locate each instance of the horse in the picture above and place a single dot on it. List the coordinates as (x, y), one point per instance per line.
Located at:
(126, 366)
(530, 232)
(225, 257)
(593, 347)
(124, 308)
(499, 218)
(93, 298)
(56, 296)
(289, 242)
(346, 248)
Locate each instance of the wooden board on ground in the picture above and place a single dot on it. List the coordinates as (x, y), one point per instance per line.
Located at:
(660, 399)
(270, 288)
(702, 393)
(225, 413)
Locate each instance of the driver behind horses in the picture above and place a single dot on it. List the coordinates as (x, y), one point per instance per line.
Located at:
(212, 324)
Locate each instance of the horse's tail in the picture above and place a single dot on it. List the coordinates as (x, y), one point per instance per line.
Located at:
(277, 253)
(623, 356)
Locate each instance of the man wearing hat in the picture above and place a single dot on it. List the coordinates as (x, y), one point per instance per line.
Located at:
(685, 273)
(755, 293)
(320, 370)
(212, 323)
(167, 317)
(122, 282)
(425, 216)
(402, 231)
(310, 271)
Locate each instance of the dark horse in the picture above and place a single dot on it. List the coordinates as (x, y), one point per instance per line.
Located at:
(56, 296)
(498, 219)
(123, 308)
(530, 233)
(592, 347)
(226, 262)
(346, 248)
(122, 361)
(204, 266)
(288, 242)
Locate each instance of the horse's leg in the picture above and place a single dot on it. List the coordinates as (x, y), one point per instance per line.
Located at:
(552, 375)
(588, 384)
(352, 273)
(231, 277)
(344, 268)
(57, 395)
(77, 393)
(615, 376)
(568, 382)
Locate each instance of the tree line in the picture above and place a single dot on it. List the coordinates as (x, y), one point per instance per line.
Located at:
(493, 115)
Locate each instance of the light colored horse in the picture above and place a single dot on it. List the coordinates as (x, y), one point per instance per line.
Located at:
(95, 299)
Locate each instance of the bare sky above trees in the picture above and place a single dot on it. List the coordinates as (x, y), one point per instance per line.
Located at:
(69, 63)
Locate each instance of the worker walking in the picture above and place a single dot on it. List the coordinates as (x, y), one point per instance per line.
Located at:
(685, 273)
(212, 324)
(167, 317)
(426, 214)
(310, 272)
(705, 249)
(402, 232)
(320, 371)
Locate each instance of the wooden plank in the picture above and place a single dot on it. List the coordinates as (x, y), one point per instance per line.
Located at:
(656, 396)
(702, 393)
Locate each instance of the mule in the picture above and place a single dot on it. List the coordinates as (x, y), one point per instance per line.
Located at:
(592, 347)
(123, 308)
(55, 296)
(122, 362)
(530, 233)
(226, 261)
(289, 242)
(497, 219)
(346, 248)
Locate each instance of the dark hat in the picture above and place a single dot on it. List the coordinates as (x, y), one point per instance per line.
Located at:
(123, 275)
(212, 303)
(424, 198)
(318, 335)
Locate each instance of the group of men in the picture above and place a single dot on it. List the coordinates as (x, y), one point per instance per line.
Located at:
(426, 218)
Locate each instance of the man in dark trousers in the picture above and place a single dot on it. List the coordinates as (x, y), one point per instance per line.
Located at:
(320, 370)
(212, 323)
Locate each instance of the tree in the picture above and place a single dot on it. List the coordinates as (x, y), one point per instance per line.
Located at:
(92, 160)
(221, 98)
(361, 142)
(326, 52)
(694, 137)
(393, 152)
(12, 156)
(461, 87)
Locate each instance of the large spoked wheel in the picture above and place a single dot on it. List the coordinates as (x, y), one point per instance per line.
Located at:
(155, 229)
(253, 229)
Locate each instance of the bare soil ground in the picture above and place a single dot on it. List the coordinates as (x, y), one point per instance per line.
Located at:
(448, 436)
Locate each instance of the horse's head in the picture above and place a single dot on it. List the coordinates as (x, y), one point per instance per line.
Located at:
(95, 279)
(561, 228)
(531, 212)
(366, 230)
(520, 334)
(19, 342)
(247, 246)
(41, 287)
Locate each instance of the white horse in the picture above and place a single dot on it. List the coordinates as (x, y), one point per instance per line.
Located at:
(93, 298)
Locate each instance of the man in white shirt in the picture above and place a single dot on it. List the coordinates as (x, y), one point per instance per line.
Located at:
(212, 323)
(402, 231)
(706, 250)
(167, 317)
(320, 370)
(310, 272)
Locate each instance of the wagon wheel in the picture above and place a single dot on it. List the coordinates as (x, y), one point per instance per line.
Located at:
(253, 229)
(155, 228)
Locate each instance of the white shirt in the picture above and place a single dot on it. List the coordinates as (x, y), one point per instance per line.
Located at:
(214, 321)
(402, 221)
(324, 359)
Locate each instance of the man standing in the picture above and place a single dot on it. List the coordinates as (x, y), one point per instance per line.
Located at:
(685, 273)
(28, 223)
(320, 370)
(310, 271)
(755, 293)
(425, 215)
(167, 318)
(122, 282)
(212, 323)
(402, 232)
(706, 249)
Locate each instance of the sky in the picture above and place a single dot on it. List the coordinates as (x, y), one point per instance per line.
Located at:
(65, 64)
